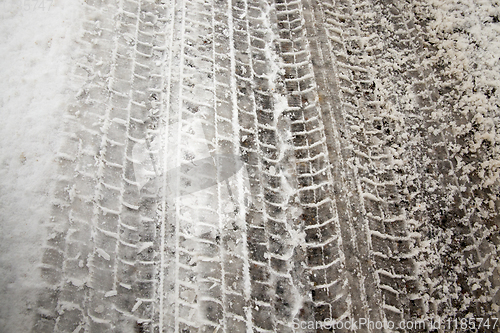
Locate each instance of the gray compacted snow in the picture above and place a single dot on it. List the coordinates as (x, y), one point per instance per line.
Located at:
(249, 166)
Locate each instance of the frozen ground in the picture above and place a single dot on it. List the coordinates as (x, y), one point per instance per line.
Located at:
(238, 166)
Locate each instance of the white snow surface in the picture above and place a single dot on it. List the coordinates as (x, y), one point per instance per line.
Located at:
(35, 46)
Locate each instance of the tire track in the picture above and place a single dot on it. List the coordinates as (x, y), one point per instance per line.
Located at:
(324, 255)
(63, 292)
(109, 229)
(384, 226)
(376, 138)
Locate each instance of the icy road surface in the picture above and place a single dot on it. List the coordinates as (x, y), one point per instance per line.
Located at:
(248, 165)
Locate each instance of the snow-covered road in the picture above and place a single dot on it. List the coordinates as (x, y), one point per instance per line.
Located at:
(247, 165)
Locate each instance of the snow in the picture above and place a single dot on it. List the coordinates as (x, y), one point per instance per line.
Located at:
(35, 44)
(466, 35)
(38, 48)
(103, 254)
(467, 38)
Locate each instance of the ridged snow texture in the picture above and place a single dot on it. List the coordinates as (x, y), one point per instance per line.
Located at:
(235, 165)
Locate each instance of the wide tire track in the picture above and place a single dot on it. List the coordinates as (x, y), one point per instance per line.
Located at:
(100, 256)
